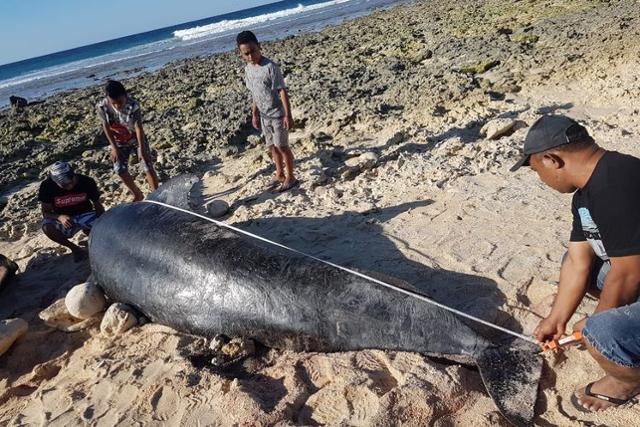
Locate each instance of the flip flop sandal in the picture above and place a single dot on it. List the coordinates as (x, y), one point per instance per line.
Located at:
(289, 186)
(273, 184)
(587, 391)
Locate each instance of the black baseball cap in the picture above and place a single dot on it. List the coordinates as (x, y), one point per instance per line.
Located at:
(550, 132)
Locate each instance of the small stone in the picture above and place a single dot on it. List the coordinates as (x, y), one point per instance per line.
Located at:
(495, 129)
(189, 126)
(10, 331)
(238, 348)
(479, 67)
(85, 300)
(397, 138)
(217, 208)
(209, 174)
(194, 103)
(368, 160)
(426, 54)
(57, 316)
(26, 252)
(526, 38)
(218, 342)
(254, 140)
(118, 319)
(352, 162)
(364, 161)
(349, 173)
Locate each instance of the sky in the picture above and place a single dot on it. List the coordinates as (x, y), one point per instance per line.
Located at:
(31, 28)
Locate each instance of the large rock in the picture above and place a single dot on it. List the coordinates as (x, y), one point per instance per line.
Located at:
(10, 331)
(118, 319)
(85, 300)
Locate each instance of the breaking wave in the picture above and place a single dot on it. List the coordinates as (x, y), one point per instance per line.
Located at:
(227, 25)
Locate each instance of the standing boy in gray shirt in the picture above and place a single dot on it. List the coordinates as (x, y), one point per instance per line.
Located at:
(271, 109)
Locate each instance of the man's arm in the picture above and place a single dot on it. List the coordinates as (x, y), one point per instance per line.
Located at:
(574, 276)
(142, 141)
(112, 141)
(97, 206)
(288, 117)
(255, 115)
(622, 285)
(49, 213)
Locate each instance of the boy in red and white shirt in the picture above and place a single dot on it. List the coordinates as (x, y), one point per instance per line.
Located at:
(121, 120)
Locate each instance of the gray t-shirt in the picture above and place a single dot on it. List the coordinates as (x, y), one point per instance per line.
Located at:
(265, 81)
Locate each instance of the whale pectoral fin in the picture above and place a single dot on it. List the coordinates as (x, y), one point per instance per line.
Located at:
(511, 377)
(176, 191)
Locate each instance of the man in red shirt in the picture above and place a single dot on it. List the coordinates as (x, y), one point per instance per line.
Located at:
(70, 203)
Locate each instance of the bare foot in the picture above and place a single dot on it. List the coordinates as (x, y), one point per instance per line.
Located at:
(612, 392)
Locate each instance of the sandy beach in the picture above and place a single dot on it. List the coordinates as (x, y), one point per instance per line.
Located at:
(403, 172)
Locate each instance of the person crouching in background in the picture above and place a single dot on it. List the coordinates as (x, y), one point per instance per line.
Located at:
(70, 203)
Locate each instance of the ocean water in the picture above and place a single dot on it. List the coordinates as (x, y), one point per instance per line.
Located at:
(124, 57)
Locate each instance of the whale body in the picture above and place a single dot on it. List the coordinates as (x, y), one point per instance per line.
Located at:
(185, 272)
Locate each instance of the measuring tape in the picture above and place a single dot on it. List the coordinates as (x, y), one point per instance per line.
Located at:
(348, 270)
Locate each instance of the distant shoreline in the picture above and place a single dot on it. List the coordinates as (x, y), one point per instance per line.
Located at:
(151, 51)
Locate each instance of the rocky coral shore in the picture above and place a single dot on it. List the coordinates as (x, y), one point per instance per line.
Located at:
(407, 122)
(418, 69)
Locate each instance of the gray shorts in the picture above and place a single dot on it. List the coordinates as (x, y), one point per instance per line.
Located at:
(614, 333)
(274, 132)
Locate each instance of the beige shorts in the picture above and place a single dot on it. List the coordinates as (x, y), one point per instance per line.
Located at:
(274, 132)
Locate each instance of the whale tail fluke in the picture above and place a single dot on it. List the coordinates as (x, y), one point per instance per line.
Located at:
(511, 377)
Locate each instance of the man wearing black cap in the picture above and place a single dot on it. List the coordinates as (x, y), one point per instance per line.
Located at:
(603, 258)
(70, 203)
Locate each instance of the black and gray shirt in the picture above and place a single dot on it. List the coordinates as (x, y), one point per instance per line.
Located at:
(265, 81)
(122, 123)
(606, 212)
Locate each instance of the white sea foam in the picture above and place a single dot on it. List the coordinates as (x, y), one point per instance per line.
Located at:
(80, 65)
(228, 25)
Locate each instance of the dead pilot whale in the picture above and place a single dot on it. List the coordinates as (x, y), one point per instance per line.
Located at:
(185, 272)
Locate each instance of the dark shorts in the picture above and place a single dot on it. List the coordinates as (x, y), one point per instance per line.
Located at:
(80, 222)
(614, 333)
(122, 165)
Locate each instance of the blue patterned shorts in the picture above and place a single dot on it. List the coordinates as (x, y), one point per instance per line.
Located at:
(80, 222)
(614, 333)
